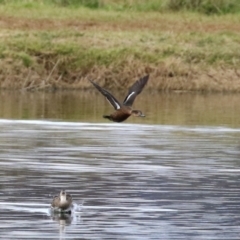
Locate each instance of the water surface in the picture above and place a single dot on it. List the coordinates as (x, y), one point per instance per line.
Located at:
(89, 106)
(142, 179)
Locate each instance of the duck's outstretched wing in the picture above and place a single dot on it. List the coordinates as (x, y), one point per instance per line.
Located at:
(112, 100)
(134, 90)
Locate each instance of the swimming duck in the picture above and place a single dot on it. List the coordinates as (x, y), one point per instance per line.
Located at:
(62, 202)
(124, 110)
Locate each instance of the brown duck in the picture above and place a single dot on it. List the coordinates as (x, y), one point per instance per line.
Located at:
(124, 110)
(62, 202)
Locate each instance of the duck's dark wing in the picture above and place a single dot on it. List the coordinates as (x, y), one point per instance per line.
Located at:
(55, 201)
(112, 100)
(69, 198)
(134, 90)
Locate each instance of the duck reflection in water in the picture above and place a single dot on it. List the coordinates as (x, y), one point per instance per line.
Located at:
(124, 110)
(64, 219)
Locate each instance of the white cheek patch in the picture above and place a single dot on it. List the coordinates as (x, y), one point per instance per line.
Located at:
(63, 198)
(129, 96)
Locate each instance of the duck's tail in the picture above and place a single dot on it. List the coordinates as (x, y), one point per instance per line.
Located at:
(108, 117)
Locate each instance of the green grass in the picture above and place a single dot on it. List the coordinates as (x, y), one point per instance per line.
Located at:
(51, 40)
(203, 6)
(105, 48)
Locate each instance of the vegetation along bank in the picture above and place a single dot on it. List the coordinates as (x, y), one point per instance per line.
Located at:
(57, 44)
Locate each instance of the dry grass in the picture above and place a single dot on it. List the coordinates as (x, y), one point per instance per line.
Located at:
(58, 48)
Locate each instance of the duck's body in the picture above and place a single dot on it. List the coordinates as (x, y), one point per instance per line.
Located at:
(62, 202)
(124, 110)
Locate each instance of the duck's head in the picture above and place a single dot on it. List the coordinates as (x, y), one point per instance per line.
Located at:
(63, 196)
(137, 113)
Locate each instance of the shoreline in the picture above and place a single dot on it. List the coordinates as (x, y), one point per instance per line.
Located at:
(60, 48)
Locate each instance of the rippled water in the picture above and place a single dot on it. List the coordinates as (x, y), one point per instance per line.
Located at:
(137, 181)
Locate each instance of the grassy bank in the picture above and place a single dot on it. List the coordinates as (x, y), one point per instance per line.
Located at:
(203, 6)
(47, 45)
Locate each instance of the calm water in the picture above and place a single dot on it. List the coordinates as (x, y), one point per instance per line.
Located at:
(173, 175)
